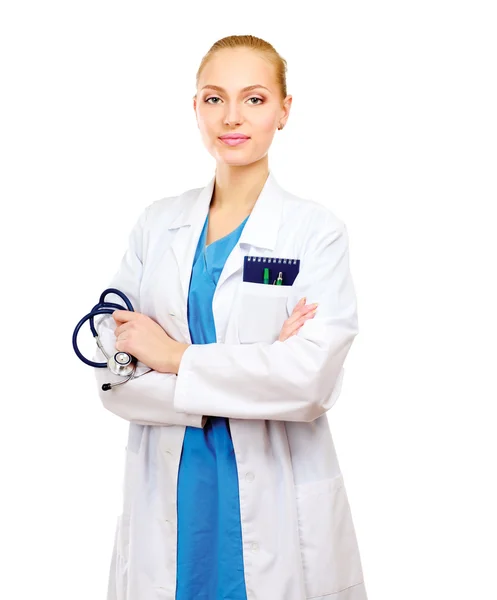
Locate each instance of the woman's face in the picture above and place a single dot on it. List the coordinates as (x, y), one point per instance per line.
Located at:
(229, 108)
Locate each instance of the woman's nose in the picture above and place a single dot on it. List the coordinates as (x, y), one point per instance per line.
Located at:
(233, 117)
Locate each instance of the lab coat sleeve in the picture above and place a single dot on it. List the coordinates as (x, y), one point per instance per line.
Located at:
(147, 400)
(295, 380)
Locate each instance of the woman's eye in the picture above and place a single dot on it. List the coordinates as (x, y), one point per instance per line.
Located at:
(260, 101)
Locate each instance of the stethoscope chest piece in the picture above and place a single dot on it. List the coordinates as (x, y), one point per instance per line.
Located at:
(122, 364)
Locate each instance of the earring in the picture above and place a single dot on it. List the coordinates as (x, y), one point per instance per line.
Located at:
(280, 127)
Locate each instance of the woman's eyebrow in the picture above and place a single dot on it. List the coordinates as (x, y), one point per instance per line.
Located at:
(245, 89)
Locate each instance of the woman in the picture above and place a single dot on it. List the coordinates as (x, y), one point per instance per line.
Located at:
(232, 485)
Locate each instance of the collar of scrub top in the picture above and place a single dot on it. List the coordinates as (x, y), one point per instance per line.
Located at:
(260, 231)
(263, 225)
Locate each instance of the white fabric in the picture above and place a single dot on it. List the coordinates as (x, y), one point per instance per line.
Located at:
(299, 540)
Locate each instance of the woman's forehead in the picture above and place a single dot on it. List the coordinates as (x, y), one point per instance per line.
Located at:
(233, 70)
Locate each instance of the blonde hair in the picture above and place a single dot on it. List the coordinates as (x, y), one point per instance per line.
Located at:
(254, 43)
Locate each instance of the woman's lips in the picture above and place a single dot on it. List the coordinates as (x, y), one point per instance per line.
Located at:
(234, 141)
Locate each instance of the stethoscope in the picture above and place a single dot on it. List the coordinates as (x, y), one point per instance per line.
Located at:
(121, 363)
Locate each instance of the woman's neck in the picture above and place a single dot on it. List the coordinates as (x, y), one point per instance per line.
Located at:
(236, 189)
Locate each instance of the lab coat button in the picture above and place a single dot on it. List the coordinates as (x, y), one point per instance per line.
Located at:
(255, 547)
(249, 477)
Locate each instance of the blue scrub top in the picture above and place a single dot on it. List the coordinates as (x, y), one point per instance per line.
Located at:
(210, 557)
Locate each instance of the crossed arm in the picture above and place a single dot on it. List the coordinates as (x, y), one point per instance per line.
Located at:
(297, 378)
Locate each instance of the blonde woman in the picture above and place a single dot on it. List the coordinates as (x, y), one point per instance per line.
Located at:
(245, 311)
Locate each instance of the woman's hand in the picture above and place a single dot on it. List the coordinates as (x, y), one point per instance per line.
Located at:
(301, 313)
(145, 339)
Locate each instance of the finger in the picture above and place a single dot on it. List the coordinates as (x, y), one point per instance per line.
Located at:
(287, 332)
(297, 314)
(304, 308)
(122, 336)
(292, 319)
(300, 303)
(294, 327)
(123, 316)
(118, 330)
(302, 320)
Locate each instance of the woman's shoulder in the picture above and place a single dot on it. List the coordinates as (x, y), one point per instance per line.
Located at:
(312, 212)
(169, 208)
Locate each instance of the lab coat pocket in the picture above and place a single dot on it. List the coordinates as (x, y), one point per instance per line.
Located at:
(329, 549)
(262, 311)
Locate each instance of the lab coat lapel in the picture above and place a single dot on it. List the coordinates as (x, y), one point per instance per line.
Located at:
(188, 225)
(260, 231)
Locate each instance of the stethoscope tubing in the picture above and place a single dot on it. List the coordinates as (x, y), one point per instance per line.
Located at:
(102, 308)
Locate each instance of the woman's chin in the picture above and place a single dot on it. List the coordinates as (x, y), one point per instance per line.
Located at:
(229, 158)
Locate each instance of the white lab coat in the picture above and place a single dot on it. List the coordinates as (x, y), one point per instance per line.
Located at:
(299, 540)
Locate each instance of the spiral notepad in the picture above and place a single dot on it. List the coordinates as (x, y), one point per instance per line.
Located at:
(253, 269)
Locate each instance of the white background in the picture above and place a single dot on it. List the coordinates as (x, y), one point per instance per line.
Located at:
(393, 126)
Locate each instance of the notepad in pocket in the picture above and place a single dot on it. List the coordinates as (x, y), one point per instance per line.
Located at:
(285, 268)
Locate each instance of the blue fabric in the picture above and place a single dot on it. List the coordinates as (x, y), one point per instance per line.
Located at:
(210, 556)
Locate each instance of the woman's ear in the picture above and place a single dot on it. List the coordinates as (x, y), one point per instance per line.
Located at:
(195, 107)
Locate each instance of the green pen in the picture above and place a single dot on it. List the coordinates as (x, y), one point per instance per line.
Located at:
(279, 281)
(266, 276)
